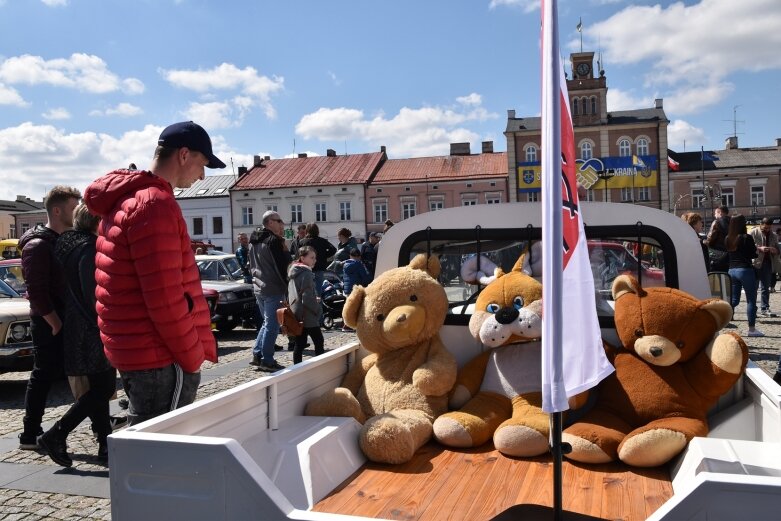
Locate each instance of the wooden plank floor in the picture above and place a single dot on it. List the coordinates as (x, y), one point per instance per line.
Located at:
(481, 483)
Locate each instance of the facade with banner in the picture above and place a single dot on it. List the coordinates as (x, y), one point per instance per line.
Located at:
(622, 155)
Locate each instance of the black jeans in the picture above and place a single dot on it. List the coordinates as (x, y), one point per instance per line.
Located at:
(317, 338)
(152, 392)
(93, 403)
(47, 368)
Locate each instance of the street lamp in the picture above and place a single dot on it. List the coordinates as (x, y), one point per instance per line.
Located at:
(605, 175)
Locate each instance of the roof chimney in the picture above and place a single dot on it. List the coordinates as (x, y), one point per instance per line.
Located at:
(731, 143)
(510, 113)
(459, 149)
(302, 155)
(242, 171)
(256, 161)
(488, 147)
(382, 149)
(778, 142)
(330, 152)
(659, 103)
(266, 158)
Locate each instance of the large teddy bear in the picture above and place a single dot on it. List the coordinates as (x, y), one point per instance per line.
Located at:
(398, 390)
(498, 393)
(671, 368)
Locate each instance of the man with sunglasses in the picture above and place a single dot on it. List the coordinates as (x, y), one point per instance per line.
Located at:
(269, 259)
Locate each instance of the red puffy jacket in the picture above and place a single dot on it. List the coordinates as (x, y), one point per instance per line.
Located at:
(151, 310)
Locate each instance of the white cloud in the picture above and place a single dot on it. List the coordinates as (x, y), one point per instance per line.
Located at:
(472, 99)
(334, 79)
(132, 86)
(10, 96)
(682, 134)
(55, 3)
(56, 114)
(122, 109)
(216, 114)
(692, 49)
(83, 72)
(227, 77)
(411, 133)
(618, 99)
(527, 5)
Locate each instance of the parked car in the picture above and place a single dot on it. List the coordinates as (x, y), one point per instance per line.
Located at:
(16, 341)
(610, 259)
(236, 300)
(11, 274)
(9, 248)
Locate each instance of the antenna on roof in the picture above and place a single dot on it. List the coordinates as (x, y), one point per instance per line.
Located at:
(233, 169)
(735, 121)
(294, 147)
(345, 147)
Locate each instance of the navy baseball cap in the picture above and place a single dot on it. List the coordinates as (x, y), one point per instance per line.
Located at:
(190, 135)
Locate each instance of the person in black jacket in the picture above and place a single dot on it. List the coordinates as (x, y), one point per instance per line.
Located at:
(742, 251)
(324, 251)
(46, 293)
(83, 351)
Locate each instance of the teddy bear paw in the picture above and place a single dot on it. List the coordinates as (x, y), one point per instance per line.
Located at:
(448, 431)
(387, 440)
(726, 353)
(651, 448)
(520, 440)
(584, 451)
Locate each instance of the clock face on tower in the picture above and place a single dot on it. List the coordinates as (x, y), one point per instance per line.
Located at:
(583, 69)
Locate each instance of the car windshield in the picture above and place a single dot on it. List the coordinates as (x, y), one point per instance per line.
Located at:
(12, 275)
(233, 267)
(7, 291)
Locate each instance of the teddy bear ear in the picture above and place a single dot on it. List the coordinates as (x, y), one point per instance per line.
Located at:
(432, 266)
(352, 306)
(625, 284)
(523, 264)
(720, 310)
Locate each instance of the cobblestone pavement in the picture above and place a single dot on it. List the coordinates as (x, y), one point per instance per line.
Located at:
(235, 345)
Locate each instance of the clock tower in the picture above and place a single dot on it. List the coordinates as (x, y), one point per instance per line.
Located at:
(587, 90)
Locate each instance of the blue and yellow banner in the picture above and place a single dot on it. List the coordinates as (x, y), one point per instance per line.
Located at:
(622, 172)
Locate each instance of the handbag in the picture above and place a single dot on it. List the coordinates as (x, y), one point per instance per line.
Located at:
(288, 322)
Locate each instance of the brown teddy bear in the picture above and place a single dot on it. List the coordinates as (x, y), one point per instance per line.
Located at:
(398, 390)
(672, 368)
(498, 393)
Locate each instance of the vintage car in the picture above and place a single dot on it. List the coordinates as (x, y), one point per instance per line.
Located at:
(16, 342)
(11, 274)
(236, 300)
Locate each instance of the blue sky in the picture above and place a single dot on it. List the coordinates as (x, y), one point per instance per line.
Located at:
(87, 85)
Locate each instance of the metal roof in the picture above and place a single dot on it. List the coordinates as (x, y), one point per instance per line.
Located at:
(441, 168)
(210, 186)
(727, 159)
(20, 205)
(309, 171)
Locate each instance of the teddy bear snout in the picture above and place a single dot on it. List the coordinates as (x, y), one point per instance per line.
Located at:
(656, 351)
(507, 315)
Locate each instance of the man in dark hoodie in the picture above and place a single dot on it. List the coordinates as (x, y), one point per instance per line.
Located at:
(46, 292)
(153, 319)
(268, 259)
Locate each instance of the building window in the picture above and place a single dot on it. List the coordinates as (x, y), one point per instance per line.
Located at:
(379, 190)
(575, 106)
(433, 206)
(25, 227)
(407, 188)
(533, 197)
(217, 224)
(468, 202)
(246, 216)
(590, 196)
(586, 151)
(698, 198)
(320, 215)
(624, 148)
(493, 199)
(593, 104)
(585, 105)
(728, 196)
(345, 211)
(380, 212)
(626, 194)
(197, 225)
(202, 191)
(272, 207)
(296, 214)
(643, 193)
(12, 231)
(407, 210)
(531, 154)
(219, 191)
(642, 147)
(757, 196)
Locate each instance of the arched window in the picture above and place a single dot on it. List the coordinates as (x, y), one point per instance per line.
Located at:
(584, 102)
(575, 106)
(586, 151)
(531, 154)
(624, 148)
(593, 104)
(642, 147)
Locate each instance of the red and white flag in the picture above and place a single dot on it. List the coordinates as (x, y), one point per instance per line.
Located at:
(573, 359)
(673, 164)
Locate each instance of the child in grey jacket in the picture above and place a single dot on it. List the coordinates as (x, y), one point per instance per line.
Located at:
(304, 301)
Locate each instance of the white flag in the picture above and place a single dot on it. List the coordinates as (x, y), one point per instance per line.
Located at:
(573, 359)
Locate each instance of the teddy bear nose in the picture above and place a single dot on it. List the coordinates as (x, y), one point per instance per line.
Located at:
(507, 316)
(656, 351)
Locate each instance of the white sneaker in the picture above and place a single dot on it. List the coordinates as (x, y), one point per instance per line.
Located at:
(756, 332)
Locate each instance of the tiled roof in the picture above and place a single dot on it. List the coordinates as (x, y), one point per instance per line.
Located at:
(210, 186)
(20, 206)
(439, 168)
(309, 171)
(618, 117)
(727, 159)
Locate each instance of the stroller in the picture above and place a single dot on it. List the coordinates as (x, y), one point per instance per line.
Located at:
(332, 299)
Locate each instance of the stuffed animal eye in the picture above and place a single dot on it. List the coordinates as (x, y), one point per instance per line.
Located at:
(679, 344)
(413, 298)
(380, 317)
(639, 333)
(518, 302)
(493, 308)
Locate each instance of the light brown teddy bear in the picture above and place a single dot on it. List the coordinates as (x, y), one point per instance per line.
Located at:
(672, 368)
(498, 393)
(398, 390)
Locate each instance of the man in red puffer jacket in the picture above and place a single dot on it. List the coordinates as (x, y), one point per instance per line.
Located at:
(153, 318)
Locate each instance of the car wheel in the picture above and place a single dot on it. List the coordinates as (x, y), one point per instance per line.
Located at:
(328, 322)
